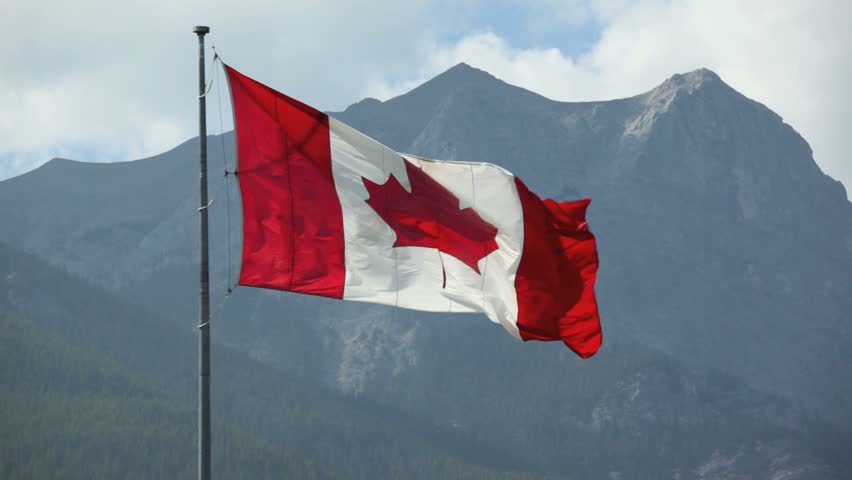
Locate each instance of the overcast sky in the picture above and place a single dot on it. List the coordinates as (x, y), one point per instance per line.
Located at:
(105, 80)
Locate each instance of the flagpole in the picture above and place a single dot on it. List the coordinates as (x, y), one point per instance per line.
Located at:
(204, 310)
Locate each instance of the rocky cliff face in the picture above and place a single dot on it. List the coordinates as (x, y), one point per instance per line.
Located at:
(726, 260)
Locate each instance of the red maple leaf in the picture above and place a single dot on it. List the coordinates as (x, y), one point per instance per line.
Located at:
(430, 217)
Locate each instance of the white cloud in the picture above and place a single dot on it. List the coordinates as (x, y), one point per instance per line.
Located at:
(115, 81)
(795, 57)
(120, 78)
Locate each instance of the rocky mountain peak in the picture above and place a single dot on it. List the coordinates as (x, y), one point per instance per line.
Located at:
(697, 84)
(366, 103)
(464, 71)
(692, 80)
(465, 78)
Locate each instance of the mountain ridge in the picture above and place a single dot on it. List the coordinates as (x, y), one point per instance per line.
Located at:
(462, 75)
(691, 155)
(705, 207)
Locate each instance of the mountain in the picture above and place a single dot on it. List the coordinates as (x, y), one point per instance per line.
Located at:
(721, 241)
(726, 256)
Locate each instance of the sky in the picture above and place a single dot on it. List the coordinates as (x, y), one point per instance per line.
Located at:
(104, 80)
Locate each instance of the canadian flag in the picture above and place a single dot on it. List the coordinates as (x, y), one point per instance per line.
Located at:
(329, 211)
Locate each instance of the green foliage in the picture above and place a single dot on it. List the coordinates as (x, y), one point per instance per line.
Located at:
(94, 387)
(67, 413)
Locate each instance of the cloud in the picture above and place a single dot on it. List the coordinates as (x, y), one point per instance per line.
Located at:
(795, 57)
(120, 78)
(106, 80)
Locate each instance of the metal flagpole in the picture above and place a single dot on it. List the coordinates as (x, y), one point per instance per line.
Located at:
(204, 310)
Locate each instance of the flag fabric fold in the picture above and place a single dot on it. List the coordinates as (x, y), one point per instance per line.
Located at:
(328, 211)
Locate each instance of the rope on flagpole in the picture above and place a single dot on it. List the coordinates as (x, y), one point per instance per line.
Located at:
(207, 90)
(231, 287)
(210, 85)
(224, 163)
(205, 207)
(221, 305)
